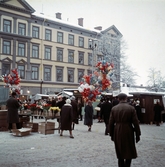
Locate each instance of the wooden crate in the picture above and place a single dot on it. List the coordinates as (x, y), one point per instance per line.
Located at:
(3, 120)
(21, 132)
(46, 127)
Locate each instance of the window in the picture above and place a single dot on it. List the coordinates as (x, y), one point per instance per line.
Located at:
(35, 32)
(34, 73)
(59, 37)
(70, 75)
(71, 39)
(48, 35)
(89, 59)
(80, 75)
(99, 57)
(59, 74)
(35, 51)
(21, 71)
(59, 54)
(21, 49)
(47, 73)
(81, 58)
(47, 53)
(90, 43)
(81, 42)
(6, 47)
(71, 56)
(5, 69)
(21, 29)
(6, 25)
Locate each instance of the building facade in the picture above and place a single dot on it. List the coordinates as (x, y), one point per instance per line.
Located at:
(49, 53)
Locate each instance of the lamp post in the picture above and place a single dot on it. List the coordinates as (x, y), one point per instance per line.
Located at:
(41, 86)
(93, 46)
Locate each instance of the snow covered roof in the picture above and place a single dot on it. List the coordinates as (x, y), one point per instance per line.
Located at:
(63, 22)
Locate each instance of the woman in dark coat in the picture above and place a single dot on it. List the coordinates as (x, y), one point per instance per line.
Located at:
(66, 118)
(12, 116)
(75, 111)
(123, 123)
(88, 119)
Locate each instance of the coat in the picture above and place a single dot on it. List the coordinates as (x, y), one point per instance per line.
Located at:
(12, 106)
(105, 111)
(123, 123)
(88, 118)
(75, 111)
(157, 109)
(66, 117)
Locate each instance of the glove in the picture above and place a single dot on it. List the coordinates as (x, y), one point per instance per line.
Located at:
(137, 139)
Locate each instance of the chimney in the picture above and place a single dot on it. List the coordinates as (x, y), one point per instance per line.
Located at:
(80, 22)
(58, 15)
(98, 28)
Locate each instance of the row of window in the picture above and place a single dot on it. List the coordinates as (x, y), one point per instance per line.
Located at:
(47, 73)
(47, 52)
(36, 33)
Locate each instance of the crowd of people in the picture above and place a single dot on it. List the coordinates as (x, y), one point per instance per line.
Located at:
(120, 116)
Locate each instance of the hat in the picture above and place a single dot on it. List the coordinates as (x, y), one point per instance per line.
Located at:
(72, 98)
(14, 94)
(122, 96)
(138, 102)
(68, 101)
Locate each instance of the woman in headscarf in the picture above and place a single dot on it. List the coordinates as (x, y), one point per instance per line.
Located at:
(67, 118)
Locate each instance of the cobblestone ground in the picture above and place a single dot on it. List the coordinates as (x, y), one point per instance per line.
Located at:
(87, 149)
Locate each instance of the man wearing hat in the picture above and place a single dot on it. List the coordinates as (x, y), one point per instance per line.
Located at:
(124, 126)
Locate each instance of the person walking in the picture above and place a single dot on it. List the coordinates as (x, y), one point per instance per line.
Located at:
(12, 115)
(105, 111)
(80, 109)
(123, 123)
(138, 109)
(66, 118)
(75, 111)
(157, 109)
(88, 117)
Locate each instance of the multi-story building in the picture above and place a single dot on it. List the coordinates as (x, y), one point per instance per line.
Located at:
(49, 53)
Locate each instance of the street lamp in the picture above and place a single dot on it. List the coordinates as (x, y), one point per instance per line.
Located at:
(41, 86)
(93, 46)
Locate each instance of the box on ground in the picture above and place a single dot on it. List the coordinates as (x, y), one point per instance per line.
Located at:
(46, 127)
(21, 132)
(3, 120)
(32, 125)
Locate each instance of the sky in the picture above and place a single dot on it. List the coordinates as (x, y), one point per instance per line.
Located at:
(141, 22)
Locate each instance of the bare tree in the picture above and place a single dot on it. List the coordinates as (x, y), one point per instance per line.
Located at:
(112, 49)
(155, 80)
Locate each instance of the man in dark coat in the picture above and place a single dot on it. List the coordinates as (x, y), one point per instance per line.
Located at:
(157, 109)
(75, 111)
(105, 112)
(123, 123)
(13, 106)
(66, 118)
(88, 117)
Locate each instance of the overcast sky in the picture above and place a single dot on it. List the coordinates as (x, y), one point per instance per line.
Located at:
(141, 22)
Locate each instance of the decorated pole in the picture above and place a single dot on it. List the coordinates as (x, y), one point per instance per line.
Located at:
(92, 85)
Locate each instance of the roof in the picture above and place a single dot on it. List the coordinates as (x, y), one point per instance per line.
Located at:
(63, 22)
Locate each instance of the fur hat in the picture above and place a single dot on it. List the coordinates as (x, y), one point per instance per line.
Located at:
(68, 101)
